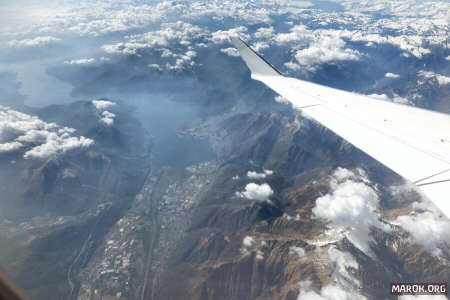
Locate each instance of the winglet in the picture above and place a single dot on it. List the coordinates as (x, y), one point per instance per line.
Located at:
(256, 63)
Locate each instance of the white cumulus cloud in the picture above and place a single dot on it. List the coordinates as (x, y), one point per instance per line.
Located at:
(352, 205)
(39, 139)
(326, 49)
(102, 104)
(254, 191)
(264, 32)
(315, 47)
(107, 118)
(10, 146)
(223, 36)
(248, 241)
(391, 75)
(281, 99)
(230, 51)
(428, 228)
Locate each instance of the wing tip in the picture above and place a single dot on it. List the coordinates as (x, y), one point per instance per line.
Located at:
(256, 63)
(238, 42)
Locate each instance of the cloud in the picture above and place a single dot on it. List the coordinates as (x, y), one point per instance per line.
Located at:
(342, 262)
(248, 241)
(96, 18)
(182, 61)
(391, 75)
(441, 79)
(102, 104)
(289, 218)
(264, 33)
(10, 146)
(328, 292)
(254, 191)
(56, 144)
(223, 36)
(292, 66)
(173, 43)
(342, 174)
(281, 99)
(316, 47)
(410, 44)
(256, 175)
(428, 228)
(39, 139)
(383, 97)
(298, 33)
(155, 66)
(291, 6)
(37, 41)
(403, 190)
(177, 33)
(326, 49)
(258, 46)
(396, 98)
(230, 51)
(82, 61)
(105, 116)
(351, 204)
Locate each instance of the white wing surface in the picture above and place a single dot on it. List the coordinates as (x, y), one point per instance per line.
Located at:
(412, 142)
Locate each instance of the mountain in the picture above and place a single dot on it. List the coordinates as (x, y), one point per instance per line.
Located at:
(61, 207)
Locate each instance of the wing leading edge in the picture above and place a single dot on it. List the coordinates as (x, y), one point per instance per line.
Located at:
(412, 142)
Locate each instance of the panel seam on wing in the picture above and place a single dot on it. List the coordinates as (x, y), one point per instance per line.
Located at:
(417, 182)
(434, 182)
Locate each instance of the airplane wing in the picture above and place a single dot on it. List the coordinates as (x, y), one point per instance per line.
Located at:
(412, 142)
